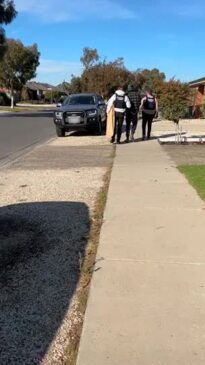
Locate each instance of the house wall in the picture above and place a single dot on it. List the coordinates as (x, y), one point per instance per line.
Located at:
(198, 100)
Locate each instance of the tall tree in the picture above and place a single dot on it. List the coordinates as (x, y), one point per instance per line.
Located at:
(104, 76)
(18, 65)
(7, 14)
(75, 85)
(89, 57)
(152, 79)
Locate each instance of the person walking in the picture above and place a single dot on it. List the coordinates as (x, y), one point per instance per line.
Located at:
(121, 103)
(149, 106)
(132, 113)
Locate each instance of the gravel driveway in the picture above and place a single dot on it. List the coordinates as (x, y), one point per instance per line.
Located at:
(47, 199)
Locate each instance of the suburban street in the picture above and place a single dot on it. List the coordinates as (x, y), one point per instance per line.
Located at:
(20, 131)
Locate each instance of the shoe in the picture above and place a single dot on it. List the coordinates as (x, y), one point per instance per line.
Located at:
(118, 142)
(127, 140)
(112, 140)
(143, 138)
(132, 137)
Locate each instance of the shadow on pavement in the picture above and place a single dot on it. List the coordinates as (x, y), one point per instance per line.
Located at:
(160, 135)
(78, 134)
(41, 247)
(85, 134)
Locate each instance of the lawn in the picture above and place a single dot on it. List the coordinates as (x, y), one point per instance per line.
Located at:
(20, 109)
(195, 174)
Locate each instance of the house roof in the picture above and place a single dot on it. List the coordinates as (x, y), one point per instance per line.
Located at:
(3, 90)
(32, 85)
(42, 86)
(197, 82)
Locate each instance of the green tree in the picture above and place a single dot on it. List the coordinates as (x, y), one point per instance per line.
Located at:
(64, 87)
(25, 94)
(105, 76)
(89, 57)
(152, 79)
(7, 14)
(75, 85)
(174, 100)
(18, 66)
(53, 96)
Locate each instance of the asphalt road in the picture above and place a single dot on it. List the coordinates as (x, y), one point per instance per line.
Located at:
(21, 131)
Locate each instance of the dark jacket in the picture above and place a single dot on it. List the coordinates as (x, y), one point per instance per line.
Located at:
(135, 100)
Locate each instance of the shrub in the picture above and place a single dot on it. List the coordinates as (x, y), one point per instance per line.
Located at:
(4, 99)
(174, 100)
(52, 95)
(25, 94)
(203, 110)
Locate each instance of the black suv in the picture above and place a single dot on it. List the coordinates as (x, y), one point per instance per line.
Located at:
(81, 112)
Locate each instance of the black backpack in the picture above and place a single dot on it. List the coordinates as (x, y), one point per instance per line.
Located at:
(120, 102)
(150, 103)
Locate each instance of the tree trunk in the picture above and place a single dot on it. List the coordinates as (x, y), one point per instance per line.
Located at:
(12, 102)
(12, 96)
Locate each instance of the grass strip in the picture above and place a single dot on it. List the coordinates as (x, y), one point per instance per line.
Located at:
(88, 266)
(25, 109)
(195, 174)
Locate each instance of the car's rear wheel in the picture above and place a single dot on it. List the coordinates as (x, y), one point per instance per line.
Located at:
(104, 126)
(97, 130)
(60, 132)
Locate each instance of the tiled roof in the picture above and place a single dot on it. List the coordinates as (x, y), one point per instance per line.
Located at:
(197, 82)
(32, 85)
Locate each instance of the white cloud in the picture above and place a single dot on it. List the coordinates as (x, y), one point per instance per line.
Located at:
(54, 71)
(67, 10)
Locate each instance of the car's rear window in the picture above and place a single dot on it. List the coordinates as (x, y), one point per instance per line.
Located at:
(80, 100)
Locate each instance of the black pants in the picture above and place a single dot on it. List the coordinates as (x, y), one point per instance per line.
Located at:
(131, 123)
(146, 120)
(119, 118)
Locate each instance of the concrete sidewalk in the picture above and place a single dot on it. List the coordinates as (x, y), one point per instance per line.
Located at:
(147, 301)
(190, 126)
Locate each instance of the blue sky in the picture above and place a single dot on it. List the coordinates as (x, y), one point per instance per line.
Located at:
(165, 34)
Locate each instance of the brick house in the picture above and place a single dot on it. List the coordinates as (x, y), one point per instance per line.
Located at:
(37, 90)
(198, 87)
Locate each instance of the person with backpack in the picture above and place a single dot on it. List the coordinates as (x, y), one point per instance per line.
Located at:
(132, 113)
(120, 102)
(149, 106)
